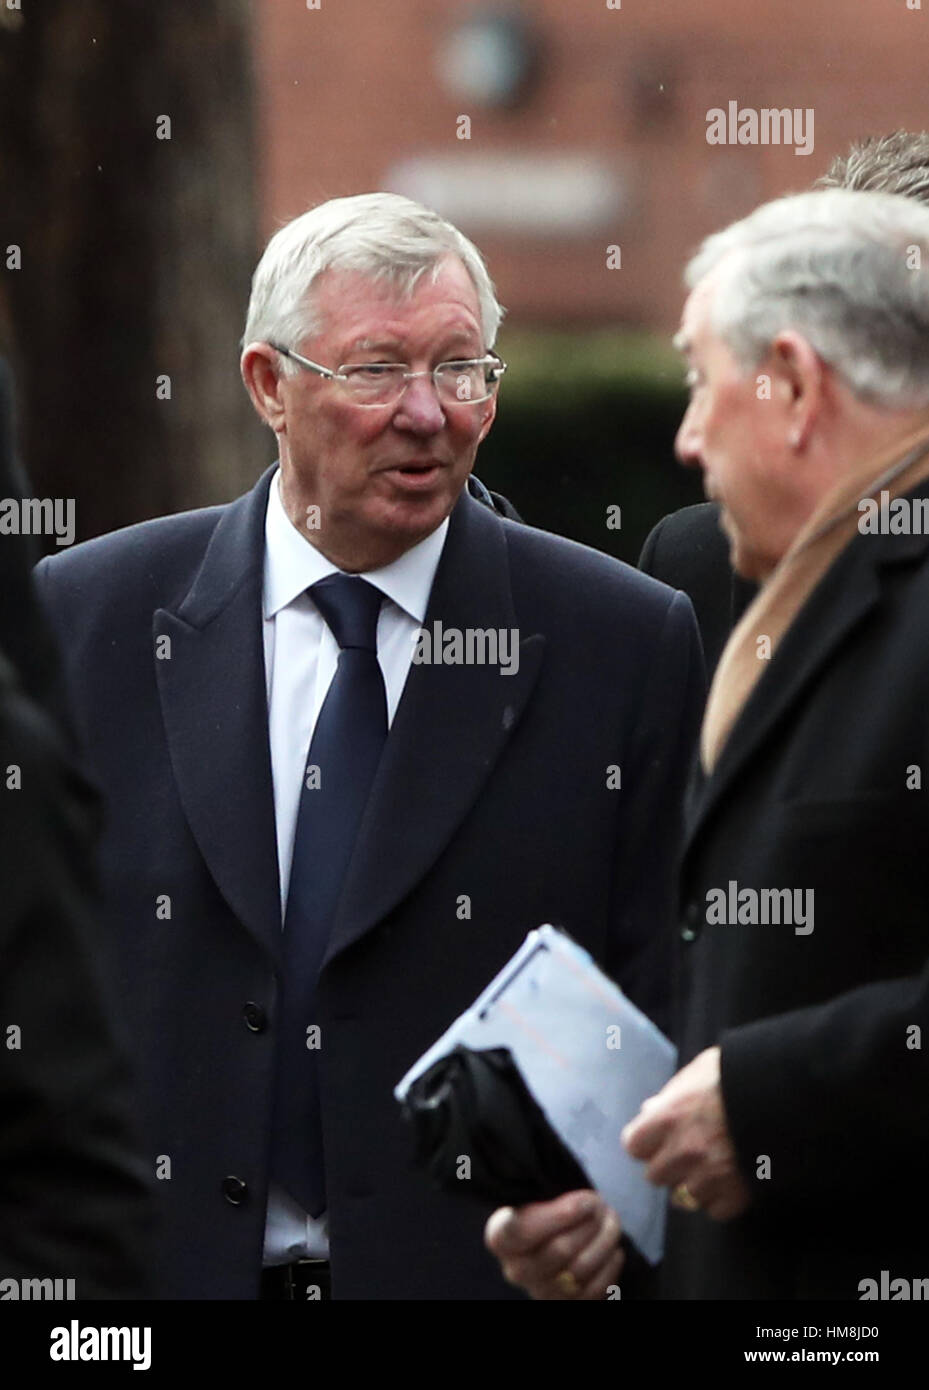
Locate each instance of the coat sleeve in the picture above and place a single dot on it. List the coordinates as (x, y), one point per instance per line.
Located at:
(836, 1095)
(73, 1201)
(655, 777)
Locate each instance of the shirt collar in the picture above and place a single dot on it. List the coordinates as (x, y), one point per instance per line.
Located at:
(292, 564)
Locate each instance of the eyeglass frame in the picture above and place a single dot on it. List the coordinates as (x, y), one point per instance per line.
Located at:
(499, 366)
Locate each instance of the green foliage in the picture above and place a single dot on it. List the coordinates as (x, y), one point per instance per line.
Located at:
(585, 422)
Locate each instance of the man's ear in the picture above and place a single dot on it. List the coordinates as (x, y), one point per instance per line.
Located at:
(262, 377)
(799, 373)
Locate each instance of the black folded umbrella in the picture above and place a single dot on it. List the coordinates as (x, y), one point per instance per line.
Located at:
(476, 1105)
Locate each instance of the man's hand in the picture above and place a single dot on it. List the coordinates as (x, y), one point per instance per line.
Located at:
(682, 1133)
(565, 1249)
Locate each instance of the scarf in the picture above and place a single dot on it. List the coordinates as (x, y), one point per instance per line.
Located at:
(831, 527)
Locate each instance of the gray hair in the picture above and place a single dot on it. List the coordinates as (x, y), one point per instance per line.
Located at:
(847, 270)
(381, 235)
(895, 163)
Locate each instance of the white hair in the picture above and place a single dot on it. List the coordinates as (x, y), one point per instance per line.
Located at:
(381, 235)
(847, 270)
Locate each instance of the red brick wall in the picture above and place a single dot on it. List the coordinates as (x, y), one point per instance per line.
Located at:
(347, 90)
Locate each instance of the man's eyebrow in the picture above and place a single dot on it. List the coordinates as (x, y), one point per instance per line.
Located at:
(458, 335)
(374, 345)
(458, 338)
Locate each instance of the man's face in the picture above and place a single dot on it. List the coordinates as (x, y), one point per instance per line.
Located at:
(734, 430)
(383, 477)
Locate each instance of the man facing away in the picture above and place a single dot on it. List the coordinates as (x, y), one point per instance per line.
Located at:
(792, 1137)
(358, 735)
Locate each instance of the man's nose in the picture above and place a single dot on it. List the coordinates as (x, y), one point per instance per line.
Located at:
(420, 409)
(687, 441)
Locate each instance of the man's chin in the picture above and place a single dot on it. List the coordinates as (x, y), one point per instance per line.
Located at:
(407, 519)
(416, 508)
(746, 564)
(741, 560)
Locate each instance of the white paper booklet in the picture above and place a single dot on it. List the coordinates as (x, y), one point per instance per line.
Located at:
(588, 1056)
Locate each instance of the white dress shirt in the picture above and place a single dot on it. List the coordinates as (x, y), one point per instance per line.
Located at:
(301, 655)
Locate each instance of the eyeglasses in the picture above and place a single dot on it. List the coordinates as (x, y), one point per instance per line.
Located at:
(383, 383)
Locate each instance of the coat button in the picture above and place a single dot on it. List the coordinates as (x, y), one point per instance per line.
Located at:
(691, 924)
(235, 1191)
(256, 1020)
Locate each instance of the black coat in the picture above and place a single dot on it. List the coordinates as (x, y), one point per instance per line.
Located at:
(73, 1203)
(73, 1197)
(491, 786)
(688, 550)
(819, 1067)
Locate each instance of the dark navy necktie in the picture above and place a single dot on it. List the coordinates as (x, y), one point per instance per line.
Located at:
(343, 757)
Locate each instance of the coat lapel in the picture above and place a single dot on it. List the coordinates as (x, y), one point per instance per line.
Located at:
(848, 592)
(834, 609)
(214, 706)
(451, 726)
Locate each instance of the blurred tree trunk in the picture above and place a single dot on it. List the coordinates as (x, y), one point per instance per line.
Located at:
(136, 251)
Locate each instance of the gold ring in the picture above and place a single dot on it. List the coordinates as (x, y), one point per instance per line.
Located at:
(567, 1283)
(683, 1197)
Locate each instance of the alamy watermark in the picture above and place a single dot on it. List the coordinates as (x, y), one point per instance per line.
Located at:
(735, 906)
(894, 1290)
(471, 646)
(77, 1343)
(901, 516)
(37, 1290)
(768, 126)
(38, 516)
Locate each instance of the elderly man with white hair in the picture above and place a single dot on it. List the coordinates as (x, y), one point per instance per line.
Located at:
(358, 734)
(792, 1139)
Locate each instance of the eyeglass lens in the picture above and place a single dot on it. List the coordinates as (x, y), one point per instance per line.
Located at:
(382, 381)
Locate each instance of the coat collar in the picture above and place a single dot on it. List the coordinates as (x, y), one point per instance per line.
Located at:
(450, 728)
(847, 593)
